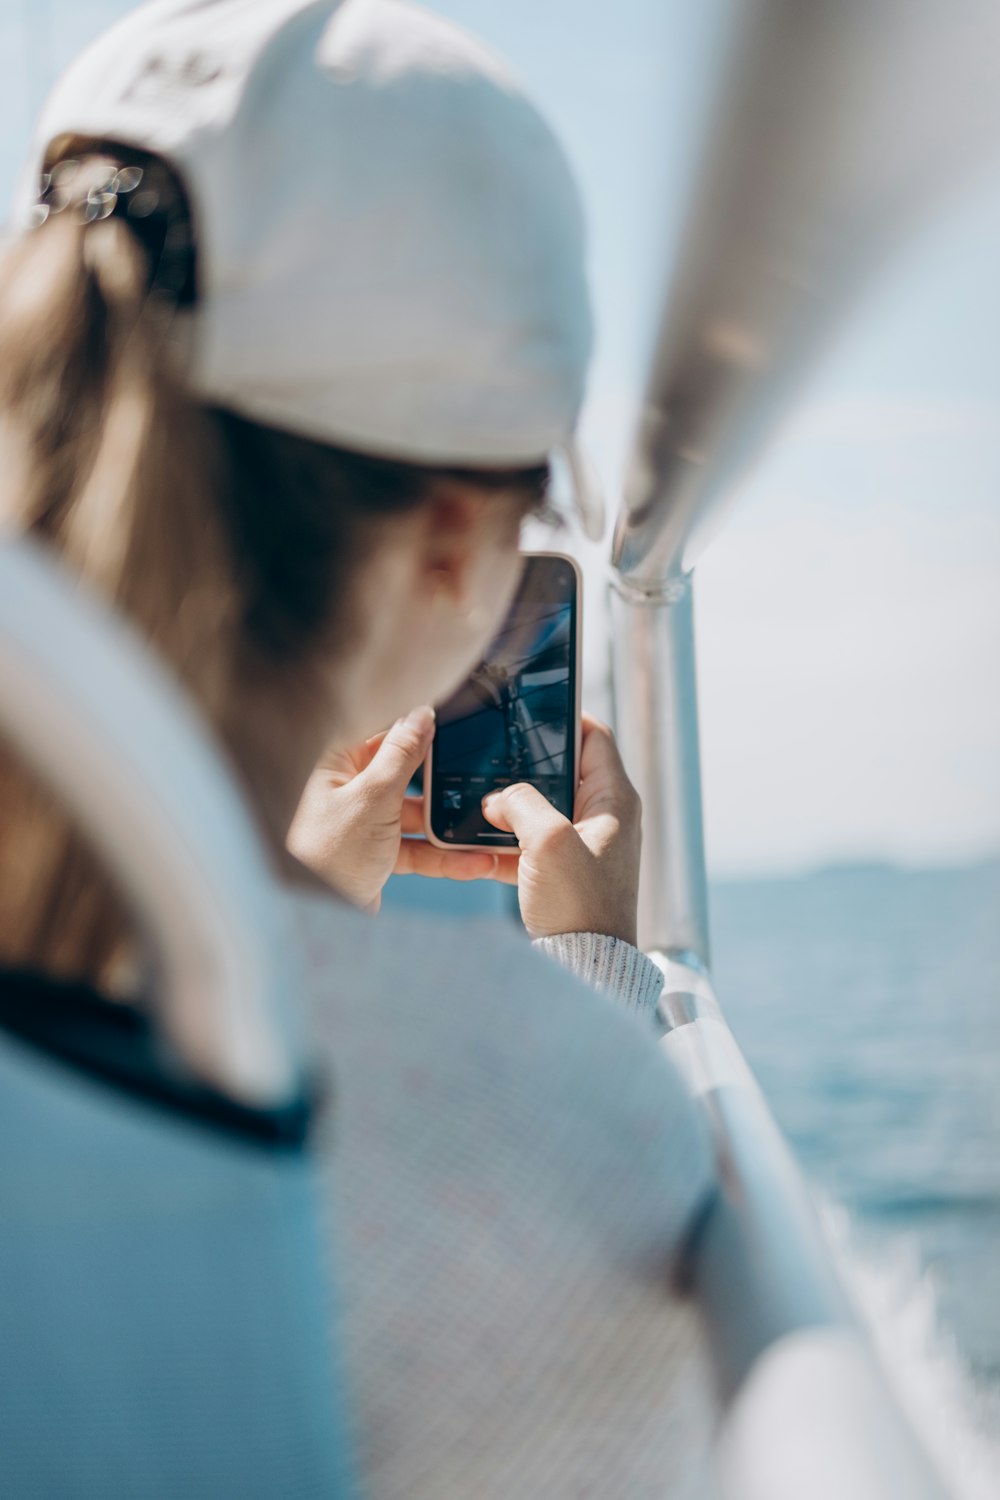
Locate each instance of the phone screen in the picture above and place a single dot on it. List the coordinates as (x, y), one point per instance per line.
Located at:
(514, 719)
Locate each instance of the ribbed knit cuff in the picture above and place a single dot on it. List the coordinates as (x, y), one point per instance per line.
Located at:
(610, 965)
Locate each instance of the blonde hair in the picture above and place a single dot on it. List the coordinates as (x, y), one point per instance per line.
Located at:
(225, 542)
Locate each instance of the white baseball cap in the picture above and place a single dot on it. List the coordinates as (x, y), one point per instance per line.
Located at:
(390, 244)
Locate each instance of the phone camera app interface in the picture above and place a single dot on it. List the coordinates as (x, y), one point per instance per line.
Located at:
(513, 719)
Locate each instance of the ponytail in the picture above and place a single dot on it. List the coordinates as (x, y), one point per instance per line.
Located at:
(104, 457)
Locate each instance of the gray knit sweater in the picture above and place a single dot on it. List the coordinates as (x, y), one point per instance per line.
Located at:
(512, 1164)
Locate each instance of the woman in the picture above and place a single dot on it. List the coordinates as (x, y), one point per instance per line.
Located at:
(298, 320)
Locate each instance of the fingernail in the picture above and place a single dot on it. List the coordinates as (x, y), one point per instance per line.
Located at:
(420, 719)
(489, 800)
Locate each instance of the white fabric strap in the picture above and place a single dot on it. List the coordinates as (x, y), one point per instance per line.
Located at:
(609, 965)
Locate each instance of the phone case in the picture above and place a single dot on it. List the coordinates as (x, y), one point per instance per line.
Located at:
(432, 838)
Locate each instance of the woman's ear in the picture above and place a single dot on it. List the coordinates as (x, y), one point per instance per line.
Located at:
(455, 530)
(470, 557)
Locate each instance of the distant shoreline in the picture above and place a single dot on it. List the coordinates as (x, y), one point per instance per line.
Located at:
(853, 868)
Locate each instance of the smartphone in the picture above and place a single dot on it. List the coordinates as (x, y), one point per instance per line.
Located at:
(517, 717)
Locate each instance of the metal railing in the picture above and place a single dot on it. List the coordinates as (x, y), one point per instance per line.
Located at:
(807, 1410)
(821, 154)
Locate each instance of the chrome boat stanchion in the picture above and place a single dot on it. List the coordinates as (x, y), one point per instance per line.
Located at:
(821, 153)
(657, 714)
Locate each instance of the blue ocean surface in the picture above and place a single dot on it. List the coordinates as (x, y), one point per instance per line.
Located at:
(867, 1001)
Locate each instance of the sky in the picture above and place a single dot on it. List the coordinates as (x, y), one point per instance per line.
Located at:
(848, 616)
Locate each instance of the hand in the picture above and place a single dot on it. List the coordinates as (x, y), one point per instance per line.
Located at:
(354, 810)
(581, 876)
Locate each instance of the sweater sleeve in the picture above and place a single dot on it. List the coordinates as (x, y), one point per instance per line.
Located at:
(610, 965)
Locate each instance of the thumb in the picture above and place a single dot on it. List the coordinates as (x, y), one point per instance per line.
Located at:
(523, 811)
(400, 754)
